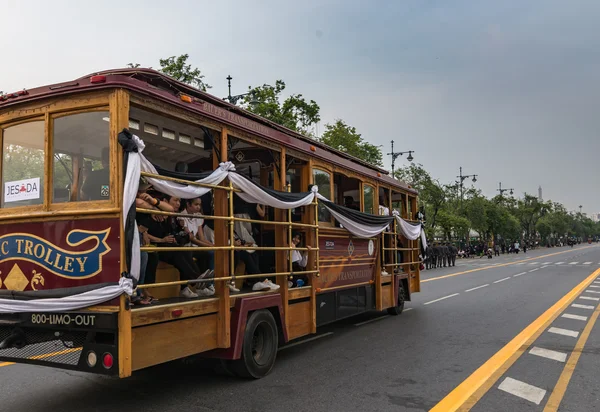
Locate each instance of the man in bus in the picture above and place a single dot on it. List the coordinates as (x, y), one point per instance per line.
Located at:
(97, 185)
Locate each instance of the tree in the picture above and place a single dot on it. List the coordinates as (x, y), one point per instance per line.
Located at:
(293, 112)
(177, 68)
(345, 138)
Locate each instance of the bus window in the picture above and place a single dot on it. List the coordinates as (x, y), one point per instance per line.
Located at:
(81, 157)
(323, 181)
(23, 165)
(368, 199)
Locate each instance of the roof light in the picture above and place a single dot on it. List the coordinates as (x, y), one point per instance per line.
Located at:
(313, 149)
(185, 98)
(107, 361)
(97, 79)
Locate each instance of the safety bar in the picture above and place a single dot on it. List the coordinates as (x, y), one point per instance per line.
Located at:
(319, 290)
(187, 215)
(194, 281)
(209, 248)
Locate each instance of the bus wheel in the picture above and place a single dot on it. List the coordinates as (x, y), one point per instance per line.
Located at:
(259, 349)
(396, 310)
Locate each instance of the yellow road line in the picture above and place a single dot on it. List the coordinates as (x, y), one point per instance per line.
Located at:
(502, 264)
(45, 355)
(468, 393)
(563, 381)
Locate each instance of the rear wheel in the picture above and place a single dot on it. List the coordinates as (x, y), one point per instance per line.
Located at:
(259, 348)
(396, 310)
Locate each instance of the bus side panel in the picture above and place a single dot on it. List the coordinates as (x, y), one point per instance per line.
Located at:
(239, 316)
(345, 261)
(61, 254)
(163, 342)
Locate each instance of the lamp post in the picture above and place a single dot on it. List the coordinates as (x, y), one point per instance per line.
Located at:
(462, 178)
(504, 190)
(237, 97)
(396, 154)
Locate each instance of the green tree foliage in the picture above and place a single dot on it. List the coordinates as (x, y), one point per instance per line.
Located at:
(177, 68)
(293, 112)
(345, 138)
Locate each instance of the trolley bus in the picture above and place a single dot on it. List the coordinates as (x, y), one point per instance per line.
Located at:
(79, 161)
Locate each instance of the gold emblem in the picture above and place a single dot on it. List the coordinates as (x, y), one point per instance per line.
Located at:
(16, 280)
(0, 280)
(37, 279)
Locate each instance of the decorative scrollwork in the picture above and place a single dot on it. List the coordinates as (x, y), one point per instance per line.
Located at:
(37, 279)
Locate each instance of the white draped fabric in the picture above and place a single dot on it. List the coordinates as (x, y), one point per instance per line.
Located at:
(252, 193)
(67, 303)
(408, 230)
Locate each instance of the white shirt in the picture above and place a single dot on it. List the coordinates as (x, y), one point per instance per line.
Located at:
(300, 258)
(193, 225)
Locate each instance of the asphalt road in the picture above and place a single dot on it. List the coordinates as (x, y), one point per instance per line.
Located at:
(462, 318)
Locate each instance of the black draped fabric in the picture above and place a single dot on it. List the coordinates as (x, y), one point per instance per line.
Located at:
(192, 177)
(125, 139)
(366, 219)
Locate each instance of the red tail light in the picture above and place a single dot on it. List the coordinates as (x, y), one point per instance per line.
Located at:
(107, 360)
(177, 313)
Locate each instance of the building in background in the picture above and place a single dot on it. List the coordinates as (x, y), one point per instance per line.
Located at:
(540, 198)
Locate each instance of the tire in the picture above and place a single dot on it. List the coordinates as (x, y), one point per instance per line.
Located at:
(259, 348)
(397, 310)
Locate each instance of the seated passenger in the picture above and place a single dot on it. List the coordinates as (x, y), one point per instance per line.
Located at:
(145, 201)
(299, 262)
(169, 233)
(193, 226)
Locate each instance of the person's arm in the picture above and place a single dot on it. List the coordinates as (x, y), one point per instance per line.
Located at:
(260, 209)
(199, 239)
(156, 203)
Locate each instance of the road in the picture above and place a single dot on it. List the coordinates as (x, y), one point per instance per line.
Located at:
(514, 333)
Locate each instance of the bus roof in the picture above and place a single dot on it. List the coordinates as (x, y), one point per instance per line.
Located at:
(156, 84)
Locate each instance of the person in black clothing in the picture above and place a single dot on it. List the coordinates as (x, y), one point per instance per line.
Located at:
(97, 184)
(167, 233)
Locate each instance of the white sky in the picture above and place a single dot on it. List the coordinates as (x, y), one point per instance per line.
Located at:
(508, 90)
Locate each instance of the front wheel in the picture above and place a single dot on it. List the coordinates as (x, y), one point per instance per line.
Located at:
(259, 348)
(396, 310)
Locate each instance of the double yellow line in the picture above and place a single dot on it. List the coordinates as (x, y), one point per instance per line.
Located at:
(472, 389)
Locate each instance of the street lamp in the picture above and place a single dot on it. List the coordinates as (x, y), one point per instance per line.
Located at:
(580, 207)
(462, 178)
(504, 190)
(396, 154)
(237, 97)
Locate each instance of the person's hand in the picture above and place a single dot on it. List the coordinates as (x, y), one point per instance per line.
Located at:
(168, 239)
(145, 239)
(159, 218)
(146, 197)
(309, 247)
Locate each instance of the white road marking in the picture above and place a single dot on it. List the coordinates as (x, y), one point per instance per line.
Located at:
(534, 263)
(576, 317)
(502, 280)
(519, 274)
(547, 263)
(577, 305)
(593, 286)
(564, 332)
(597, 281)
(588, 298)
(522, 390)
(592, 291)
(549, 354)
(478, 287)
(371, 320)
(587, 263)
(559, 263)
(306, 340)
(407, 309)
(573, 263)
(518, 264)
(544, 267)
(533, 270)
(445, 297)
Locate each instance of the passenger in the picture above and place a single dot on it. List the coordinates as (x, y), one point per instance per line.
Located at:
(299, 262)
(97, 185)
(209, 235)
(169, 233)
(144, 201)
(193, 227)
(244, 237)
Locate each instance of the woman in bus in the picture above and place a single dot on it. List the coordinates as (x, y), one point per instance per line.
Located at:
(169, 233)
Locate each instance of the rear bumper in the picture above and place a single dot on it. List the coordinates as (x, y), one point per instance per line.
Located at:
(60, 340)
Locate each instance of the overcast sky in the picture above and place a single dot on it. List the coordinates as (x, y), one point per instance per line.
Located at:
(506, 89)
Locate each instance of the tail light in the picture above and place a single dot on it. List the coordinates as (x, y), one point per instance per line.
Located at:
(107, 361)
(92, 359)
